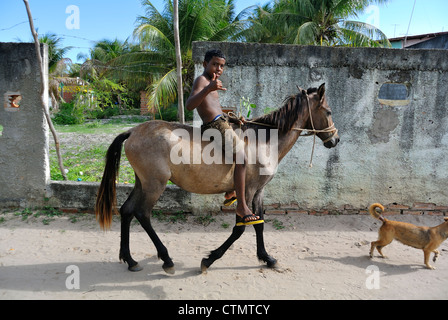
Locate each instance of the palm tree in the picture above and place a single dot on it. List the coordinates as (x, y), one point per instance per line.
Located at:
(104, 73)
(199, 20)
(57, 62)
(100, 61)
(58, 66)
(315, 22)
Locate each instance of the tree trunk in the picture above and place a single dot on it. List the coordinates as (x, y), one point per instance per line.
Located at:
(180, 94)
(44, 103)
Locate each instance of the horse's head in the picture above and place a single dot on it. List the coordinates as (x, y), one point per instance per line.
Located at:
(320, 121)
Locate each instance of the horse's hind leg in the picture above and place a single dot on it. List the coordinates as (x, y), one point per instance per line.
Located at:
(149, 197)
(125, 253)
(162, 251)
(140, 204)
(218, 253)
(127, 214)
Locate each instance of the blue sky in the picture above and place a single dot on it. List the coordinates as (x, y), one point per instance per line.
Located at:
(100, 19)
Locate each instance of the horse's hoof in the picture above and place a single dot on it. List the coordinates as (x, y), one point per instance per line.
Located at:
(135, 268)
(204, 267)
(271, 262)
(169, 268)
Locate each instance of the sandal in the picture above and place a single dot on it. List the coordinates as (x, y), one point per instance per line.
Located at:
(247, 222)
(229, 202)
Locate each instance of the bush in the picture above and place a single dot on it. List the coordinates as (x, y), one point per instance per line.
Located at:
(170, 114)
(69, 114)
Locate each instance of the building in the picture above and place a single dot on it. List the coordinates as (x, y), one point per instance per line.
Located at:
(424, 41)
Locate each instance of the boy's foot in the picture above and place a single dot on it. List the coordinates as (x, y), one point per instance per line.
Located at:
(230, 194)
(250, 218)
(230, 198)
(246, 214)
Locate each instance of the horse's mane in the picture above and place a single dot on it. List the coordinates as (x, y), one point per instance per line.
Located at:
(285, 117)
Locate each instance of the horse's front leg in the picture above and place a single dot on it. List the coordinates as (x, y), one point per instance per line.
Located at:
(218, 253)
(257, 207)
(261, 251)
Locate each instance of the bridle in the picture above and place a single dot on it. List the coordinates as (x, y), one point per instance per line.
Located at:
(313, 132)
(309, 132)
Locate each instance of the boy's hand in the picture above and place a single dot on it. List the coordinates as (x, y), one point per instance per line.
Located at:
(216, 84)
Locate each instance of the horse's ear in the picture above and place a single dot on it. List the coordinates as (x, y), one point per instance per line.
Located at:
(302, 91)
(321, 90)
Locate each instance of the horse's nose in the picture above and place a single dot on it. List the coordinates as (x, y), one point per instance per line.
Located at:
(332, 143)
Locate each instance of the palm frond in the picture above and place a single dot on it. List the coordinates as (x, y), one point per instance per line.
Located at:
(360, 34)
(152, 38)
(163, 91)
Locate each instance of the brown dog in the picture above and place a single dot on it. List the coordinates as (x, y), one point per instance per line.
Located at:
(425, 238)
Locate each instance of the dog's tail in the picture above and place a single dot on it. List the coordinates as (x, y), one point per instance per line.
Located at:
(375, 214)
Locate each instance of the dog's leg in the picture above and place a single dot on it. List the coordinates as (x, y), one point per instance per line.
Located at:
(385, 236)
(379, 245)
(436, 255)
(372, 248)
(379, 248)
(427, 254)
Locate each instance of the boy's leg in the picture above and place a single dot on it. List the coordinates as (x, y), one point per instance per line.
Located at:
(231, 140)
(240, 187)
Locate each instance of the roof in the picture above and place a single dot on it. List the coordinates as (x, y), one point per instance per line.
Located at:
(420, 36)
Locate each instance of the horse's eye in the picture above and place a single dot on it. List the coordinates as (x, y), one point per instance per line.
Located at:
(328, 113)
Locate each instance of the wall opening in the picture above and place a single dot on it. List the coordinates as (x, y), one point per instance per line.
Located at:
(12, 101)
(394, 94)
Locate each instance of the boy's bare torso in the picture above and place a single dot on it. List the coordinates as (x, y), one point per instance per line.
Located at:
(210, 106)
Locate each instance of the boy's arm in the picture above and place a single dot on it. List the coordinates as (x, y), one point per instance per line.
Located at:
(198, 94)
(201, 88)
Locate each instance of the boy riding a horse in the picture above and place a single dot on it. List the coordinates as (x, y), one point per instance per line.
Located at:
(205, 99)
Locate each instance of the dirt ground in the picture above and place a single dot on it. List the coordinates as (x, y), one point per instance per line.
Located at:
(319, 257)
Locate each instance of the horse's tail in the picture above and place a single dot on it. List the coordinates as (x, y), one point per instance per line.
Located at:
(375, 214)
(105, 205)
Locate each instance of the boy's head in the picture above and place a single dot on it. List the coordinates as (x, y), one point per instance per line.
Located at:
(214, 62)
(214, 53)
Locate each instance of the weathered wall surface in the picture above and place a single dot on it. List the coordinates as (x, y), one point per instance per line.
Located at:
(24, 168)
(390, 151)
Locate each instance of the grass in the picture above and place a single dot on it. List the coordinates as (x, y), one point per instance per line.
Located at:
(48, 214)
(96, 126)
(45, 215)
(87, 164)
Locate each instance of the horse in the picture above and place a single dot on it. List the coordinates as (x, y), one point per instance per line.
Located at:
(158, 152)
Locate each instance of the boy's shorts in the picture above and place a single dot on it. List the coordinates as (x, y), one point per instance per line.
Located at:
(228, 135)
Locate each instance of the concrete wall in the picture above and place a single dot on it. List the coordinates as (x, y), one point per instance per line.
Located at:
(24, 168)
(390, 151)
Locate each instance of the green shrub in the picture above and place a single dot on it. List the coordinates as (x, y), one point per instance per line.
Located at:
(69, 114)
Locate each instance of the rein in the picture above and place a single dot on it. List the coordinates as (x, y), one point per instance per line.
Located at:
(310, 132)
